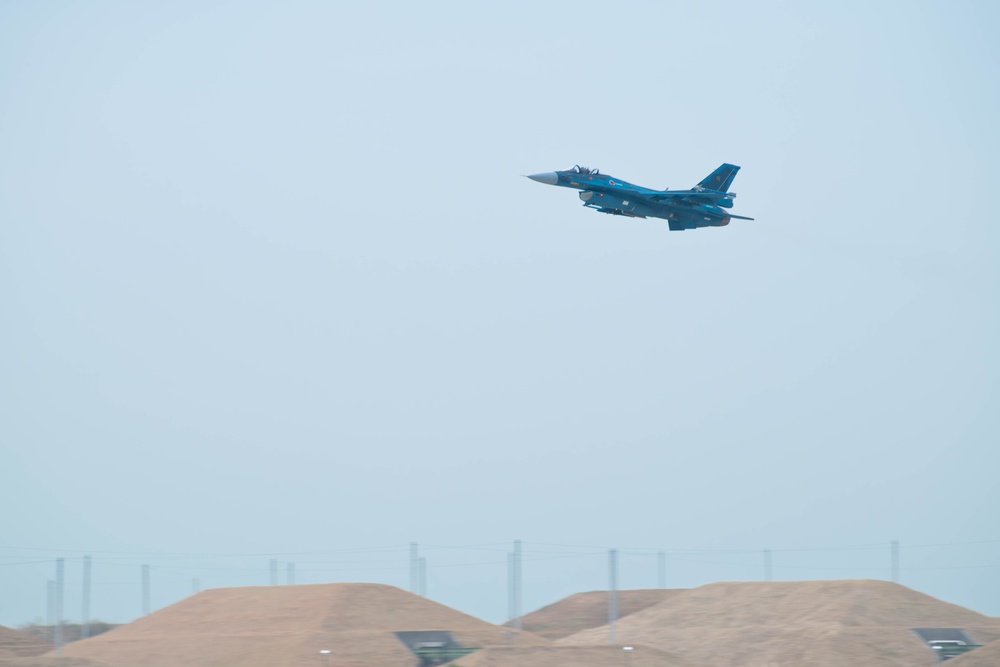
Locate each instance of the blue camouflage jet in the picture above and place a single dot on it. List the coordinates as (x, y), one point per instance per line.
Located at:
(704, 205)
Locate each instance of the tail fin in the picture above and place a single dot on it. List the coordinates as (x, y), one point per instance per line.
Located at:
(721, 179)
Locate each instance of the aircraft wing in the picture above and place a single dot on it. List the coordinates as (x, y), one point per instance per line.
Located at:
(683, 202)
(694, 195)
(643, 194)
(665, 197)
(611, 190)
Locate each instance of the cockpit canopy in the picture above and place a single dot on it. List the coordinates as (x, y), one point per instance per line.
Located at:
(577, 169)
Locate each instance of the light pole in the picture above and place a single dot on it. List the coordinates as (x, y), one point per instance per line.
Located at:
(628, 652)
(325, 652)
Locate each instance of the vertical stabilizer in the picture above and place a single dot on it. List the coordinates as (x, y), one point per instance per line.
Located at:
(721, 179)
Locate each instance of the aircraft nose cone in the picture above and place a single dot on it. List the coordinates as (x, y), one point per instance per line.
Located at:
(549, 178)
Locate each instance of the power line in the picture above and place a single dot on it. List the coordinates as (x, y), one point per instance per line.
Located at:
(489, 546)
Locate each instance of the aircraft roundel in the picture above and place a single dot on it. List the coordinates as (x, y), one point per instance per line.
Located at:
(611, 182)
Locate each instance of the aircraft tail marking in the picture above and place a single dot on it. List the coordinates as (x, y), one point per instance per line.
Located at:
(721, 179)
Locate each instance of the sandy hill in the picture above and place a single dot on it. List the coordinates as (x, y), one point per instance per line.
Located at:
(576, 656)
(286, 626)
(589, 610)
(16, 643)
(774, 624)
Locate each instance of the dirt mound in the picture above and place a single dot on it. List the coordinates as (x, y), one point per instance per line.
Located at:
(771, 624)
(272, 626)
(16, 643)
(589, 610)
(577, 656)
(861, 603)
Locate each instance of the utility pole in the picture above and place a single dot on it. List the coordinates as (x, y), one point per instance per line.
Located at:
(662, 558)
(422, 568)
(517, 584)
(289, 573)
(50, 606)
(145, 590)
(612, 593)
(414, 568)
(85, 612)
(195, 585)
(60, 583)
(274, 571)
(894, 560)
(767, 565)
(511, 614)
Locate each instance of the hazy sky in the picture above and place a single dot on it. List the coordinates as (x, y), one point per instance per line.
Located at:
(272, 286)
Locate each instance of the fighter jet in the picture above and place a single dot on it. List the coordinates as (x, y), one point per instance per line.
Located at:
(704, 205)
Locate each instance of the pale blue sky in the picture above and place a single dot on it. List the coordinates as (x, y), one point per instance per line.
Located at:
(272, 283)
